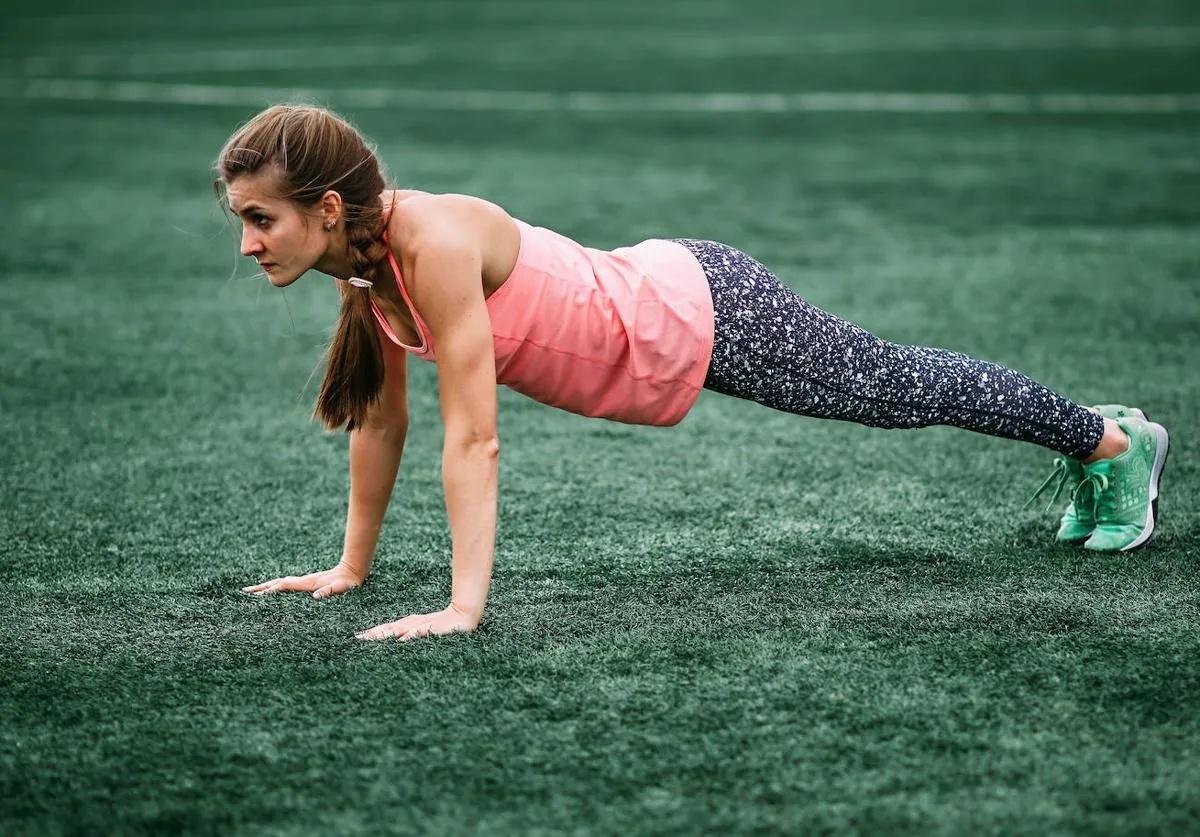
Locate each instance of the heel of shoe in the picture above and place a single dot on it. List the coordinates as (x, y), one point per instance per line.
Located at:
(1162, 450)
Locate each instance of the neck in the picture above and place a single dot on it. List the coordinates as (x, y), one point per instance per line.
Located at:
(335, 261)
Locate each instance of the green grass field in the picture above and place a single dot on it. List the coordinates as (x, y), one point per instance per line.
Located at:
(752, 623)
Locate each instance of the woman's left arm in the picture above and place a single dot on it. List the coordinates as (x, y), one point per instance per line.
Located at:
(447, 268)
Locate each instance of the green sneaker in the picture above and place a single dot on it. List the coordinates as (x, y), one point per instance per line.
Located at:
(1077, 524)
(1121, 491)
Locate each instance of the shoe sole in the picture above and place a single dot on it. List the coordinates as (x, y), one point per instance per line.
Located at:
(1160, 462)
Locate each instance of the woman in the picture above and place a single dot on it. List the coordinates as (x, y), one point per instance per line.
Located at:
(630, 335)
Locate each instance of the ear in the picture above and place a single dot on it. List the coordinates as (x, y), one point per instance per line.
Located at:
(331, 208)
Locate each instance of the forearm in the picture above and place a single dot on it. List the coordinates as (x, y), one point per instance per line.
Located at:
(470, 472)
(374, 460)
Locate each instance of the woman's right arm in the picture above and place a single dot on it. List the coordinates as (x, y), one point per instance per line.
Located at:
(375, 451)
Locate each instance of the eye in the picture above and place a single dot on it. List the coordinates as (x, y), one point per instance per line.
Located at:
(261, 220)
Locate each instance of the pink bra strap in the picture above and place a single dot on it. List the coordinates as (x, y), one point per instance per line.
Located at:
(417, 322)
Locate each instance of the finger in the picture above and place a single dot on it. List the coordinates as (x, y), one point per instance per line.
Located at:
(255, 588)
(375, 635)
(272, 586)
(291, 583)
(417, 631)
(378, 632)
(333, 588)
(399, 626)
(396, 628)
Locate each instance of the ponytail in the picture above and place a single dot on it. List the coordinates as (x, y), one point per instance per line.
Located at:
(355, 368)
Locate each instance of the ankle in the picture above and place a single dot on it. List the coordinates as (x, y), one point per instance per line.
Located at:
(1113, 443)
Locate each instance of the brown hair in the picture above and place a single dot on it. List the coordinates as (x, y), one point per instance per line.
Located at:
(311, 151)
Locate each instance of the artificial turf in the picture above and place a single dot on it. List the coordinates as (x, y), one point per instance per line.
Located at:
(751, 623)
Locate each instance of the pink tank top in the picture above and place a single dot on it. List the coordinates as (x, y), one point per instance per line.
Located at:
(625, 334)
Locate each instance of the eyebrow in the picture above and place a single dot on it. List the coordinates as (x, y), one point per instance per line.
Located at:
(248, 208)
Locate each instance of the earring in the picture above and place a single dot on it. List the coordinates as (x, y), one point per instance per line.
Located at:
(328, 227)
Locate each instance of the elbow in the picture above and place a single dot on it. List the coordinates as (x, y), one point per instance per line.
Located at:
(477, 445)
(394, 429)
(488, 447)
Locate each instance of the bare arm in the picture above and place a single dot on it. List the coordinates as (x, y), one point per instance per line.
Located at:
(375, 452)
(446, 253)
(374, 461)
(458, 318)
(470, 473)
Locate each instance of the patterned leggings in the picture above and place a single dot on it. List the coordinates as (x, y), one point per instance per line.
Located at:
(773, 347)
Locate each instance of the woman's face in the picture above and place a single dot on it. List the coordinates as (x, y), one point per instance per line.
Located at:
(278, 234)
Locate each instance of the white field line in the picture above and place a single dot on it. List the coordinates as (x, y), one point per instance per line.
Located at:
(637, 44)
(229, 60)
(361, 15)
(584, 102)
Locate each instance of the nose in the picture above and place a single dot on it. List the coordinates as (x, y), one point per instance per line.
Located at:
(251, 243)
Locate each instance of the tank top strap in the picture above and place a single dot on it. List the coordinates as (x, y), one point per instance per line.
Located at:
(422, 329)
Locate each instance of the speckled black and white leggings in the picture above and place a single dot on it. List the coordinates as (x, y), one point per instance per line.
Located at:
(773, 347)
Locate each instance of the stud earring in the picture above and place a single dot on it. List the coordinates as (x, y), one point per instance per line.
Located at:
(328, 227)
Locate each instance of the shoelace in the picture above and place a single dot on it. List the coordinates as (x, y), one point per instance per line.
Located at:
(1096, 485)
(1061, 472)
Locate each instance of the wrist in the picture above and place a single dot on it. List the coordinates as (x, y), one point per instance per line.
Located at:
(472, 614)
(359, 573)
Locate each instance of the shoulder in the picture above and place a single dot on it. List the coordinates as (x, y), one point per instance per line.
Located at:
(421, 220)
(426, 228)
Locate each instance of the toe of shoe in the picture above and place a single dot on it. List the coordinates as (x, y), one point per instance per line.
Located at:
(1072, 534)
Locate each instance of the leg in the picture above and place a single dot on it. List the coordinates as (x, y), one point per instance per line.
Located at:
(774, 348)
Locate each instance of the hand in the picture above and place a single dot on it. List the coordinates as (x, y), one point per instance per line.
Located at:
(448, 621)
(322, 584)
